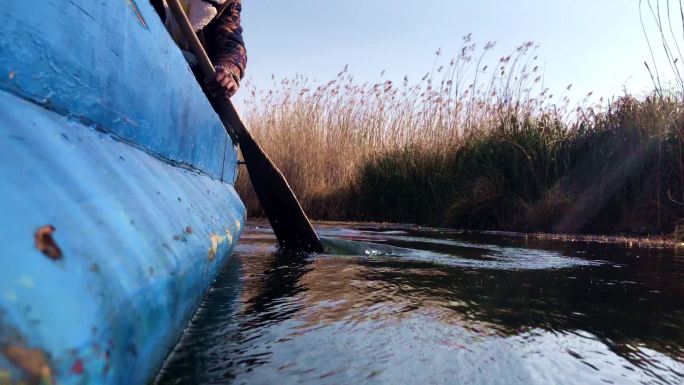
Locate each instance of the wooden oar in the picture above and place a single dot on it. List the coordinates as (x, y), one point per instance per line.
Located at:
(289, 223)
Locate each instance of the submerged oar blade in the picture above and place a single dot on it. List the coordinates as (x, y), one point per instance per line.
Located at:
(288, 220)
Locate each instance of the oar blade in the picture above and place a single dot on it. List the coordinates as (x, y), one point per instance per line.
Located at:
(288, 220)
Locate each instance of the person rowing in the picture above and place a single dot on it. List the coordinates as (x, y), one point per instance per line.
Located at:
(217, 24)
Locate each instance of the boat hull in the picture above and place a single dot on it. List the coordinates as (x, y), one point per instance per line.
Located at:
(116, 200)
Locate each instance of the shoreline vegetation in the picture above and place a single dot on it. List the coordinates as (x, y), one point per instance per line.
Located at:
(476, 144)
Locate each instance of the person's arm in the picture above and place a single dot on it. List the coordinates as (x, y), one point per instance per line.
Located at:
(227, 50)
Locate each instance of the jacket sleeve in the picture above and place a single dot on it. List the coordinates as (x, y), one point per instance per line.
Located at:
(224, 38)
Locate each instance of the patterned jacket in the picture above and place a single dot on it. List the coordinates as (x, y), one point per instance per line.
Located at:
(222, 36)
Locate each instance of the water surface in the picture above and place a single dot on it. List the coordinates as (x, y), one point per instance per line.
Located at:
(408, 305)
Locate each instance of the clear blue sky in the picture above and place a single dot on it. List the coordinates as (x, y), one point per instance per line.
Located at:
(597, 45)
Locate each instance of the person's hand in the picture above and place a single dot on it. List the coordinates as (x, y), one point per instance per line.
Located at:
(224, 84)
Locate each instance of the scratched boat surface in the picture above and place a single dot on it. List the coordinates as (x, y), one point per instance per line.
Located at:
(117, 205)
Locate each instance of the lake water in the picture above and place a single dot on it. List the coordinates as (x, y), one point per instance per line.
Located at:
(408, 305)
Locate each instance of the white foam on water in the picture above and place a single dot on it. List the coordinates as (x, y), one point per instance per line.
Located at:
(491, 256)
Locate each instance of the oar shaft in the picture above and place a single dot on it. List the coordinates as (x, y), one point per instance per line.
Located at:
(288, 220)
(195, 45)
(229, 116)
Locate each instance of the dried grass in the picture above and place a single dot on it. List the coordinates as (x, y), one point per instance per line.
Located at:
(473, 145)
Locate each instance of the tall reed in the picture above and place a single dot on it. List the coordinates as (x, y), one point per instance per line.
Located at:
(475, 145)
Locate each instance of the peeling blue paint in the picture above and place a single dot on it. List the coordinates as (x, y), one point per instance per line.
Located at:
(106, 137)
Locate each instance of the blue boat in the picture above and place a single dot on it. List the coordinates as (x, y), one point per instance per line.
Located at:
(117, 205)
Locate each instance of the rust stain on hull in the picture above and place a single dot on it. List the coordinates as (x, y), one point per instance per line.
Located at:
(46, 244)
(32, 361)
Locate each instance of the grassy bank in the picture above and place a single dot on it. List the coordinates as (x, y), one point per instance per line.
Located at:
(476, 146)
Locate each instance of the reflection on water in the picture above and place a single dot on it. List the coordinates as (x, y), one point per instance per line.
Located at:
(404, 305)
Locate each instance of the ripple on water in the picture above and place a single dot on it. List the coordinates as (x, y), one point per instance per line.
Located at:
(481, 256)
(400, 307)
